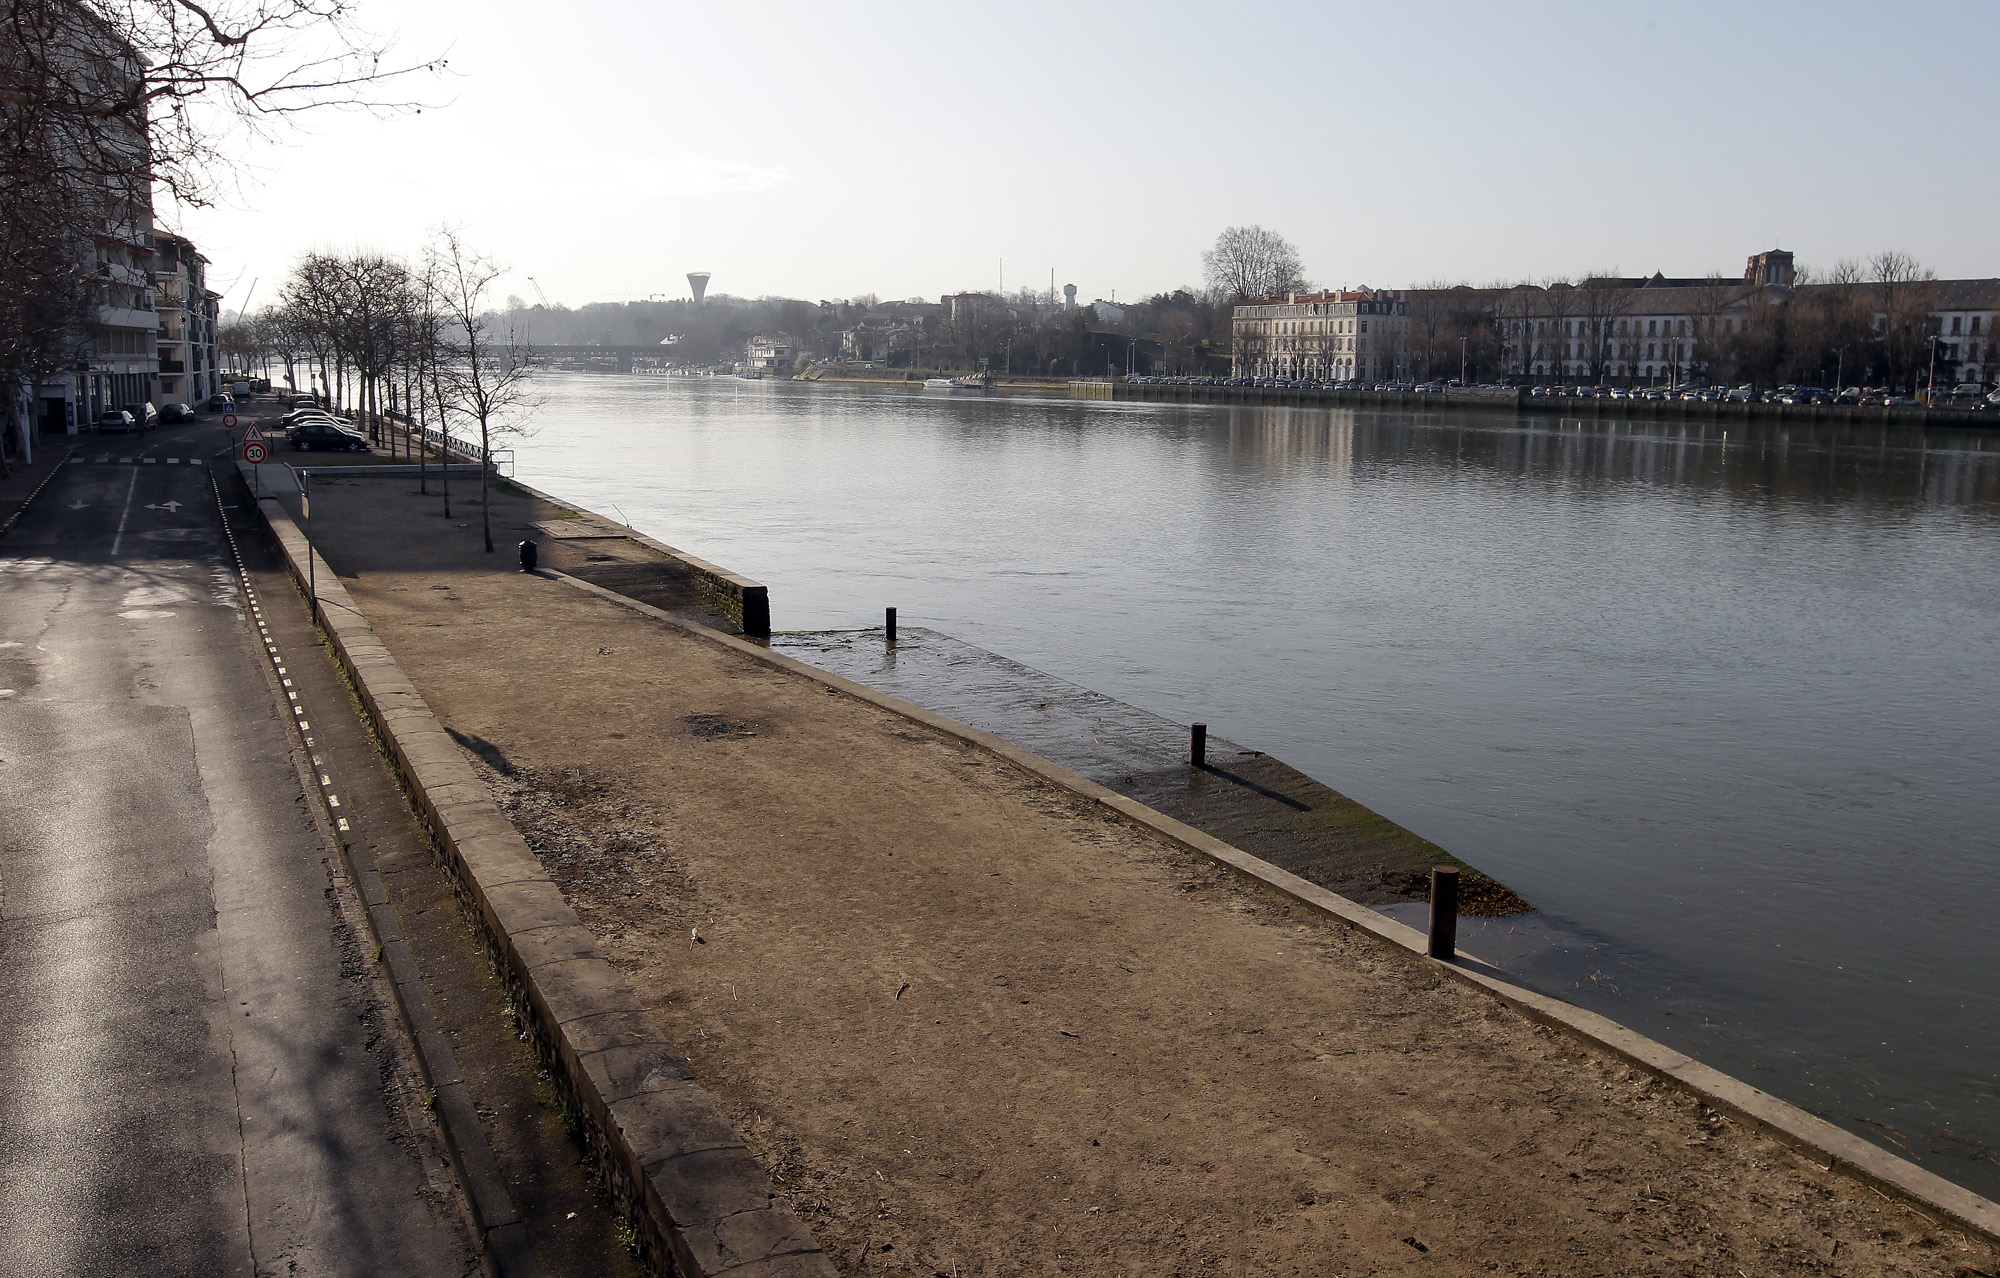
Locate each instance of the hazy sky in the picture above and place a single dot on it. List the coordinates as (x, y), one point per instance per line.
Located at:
(607, 147)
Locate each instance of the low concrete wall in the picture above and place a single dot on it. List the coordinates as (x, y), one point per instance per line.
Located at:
(677, 1170)
(741, 599)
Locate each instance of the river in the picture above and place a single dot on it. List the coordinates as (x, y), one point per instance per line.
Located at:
(1721, 699)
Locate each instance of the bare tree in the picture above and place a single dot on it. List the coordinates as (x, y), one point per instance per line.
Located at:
(1708, 304)
(1249, 261)
(486, 380)
(1515, 314)
(1904, 295)
(1602, 303)
(105, 102)
(46, 292)
(184, 79)
(1431, 307)
(1553, 326)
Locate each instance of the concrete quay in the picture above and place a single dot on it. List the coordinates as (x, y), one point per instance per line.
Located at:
(968, 1013)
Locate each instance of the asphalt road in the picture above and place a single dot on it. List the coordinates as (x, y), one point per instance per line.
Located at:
(199, 1072)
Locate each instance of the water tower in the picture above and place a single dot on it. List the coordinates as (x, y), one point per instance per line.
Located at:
(698, 281)
(1069, 297)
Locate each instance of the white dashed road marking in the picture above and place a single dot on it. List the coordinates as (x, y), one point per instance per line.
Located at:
(277, 663)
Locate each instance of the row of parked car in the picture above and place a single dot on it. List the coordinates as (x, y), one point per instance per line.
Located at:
(143, 417)
(1854, 396)
(1975, 397)
(1289, 383)
(310, 427)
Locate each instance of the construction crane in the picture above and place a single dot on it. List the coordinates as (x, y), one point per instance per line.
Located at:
(540, 294)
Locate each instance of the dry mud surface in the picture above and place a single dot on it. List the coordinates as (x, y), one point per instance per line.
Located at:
(972, 1026)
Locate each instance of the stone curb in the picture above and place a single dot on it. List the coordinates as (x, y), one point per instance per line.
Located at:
(1804, 1131)
(7, 525)
(678, 1171)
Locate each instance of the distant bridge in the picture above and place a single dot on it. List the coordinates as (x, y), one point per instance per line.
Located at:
(623, 354)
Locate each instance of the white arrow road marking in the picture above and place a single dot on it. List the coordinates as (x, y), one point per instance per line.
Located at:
(78, 504)
(169, 506)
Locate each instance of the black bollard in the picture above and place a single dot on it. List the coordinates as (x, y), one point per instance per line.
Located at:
(1198, 745)
(529, 553)
(889, 624)
(1444, 912)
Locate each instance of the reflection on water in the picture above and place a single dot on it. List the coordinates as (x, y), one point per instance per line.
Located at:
(1722, 697)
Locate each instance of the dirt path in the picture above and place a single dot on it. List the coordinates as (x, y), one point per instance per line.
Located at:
(974, 1027)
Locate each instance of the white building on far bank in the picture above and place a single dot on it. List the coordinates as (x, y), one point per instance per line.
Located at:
(1359, 335)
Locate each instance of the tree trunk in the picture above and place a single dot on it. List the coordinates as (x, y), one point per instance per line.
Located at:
(485, 474)
(423, 471)
(444, 442)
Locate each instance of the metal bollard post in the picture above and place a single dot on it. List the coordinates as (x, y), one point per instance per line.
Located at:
(889, 624)
(529, 554)
(1198, 745)
(1444, 912)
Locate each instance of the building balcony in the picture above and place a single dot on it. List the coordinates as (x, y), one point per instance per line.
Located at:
(172, 366)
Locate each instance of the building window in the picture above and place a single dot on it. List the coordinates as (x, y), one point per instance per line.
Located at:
(1956, 321)
(1652, 327)
(1975, 326)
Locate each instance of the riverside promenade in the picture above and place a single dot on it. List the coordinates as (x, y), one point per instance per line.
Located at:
(971, 1022)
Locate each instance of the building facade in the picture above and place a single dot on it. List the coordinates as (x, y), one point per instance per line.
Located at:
(767, 353)
(189, 316)
(1885, 326)
(1360, 335)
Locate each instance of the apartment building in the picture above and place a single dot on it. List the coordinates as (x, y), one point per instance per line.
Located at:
(104, 181)
(1362, 334)
(189, 316)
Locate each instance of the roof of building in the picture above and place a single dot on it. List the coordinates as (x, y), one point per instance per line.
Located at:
(1965, 295)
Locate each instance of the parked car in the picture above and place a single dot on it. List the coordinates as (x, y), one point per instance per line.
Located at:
(325, 436)
(298, 415)
(116, 421)
(176, 413)
(221, 404)
(144, 414)
(322, 419)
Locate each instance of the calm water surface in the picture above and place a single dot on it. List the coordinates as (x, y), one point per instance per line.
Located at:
(1725, 700)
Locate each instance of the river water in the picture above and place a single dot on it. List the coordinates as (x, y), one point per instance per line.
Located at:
(1723, 701)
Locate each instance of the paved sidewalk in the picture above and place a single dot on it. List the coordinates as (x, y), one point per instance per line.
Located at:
(971, 1025)
(17, 487)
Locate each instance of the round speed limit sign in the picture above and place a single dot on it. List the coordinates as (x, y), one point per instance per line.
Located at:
(255, 452)
(229, 420)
